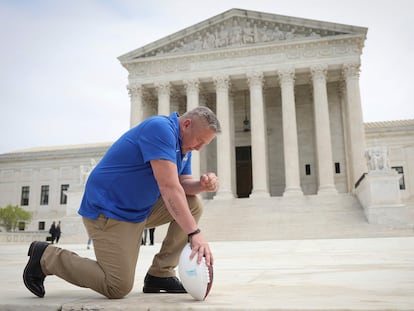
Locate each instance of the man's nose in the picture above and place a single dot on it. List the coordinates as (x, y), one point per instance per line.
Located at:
(198, 147)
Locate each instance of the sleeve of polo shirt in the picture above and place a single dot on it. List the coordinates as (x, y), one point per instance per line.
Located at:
(157, 140)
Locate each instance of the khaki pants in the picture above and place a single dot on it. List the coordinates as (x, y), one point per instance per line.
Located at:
(116, 245)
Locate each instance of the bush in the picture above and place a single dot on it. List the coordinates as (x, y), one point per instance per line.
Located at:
(12, 215)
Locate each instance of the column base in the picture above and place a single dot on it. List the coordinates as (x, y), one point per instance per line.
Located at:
(259, 194)
(293, 192)
(223, 195)
(327, 189)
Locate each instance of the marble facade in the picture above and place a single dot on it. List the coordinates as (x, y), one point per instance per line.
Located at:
(301, 78)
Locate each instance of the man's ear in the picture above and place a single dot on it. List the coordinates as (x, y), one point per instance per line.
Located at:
(187, 123)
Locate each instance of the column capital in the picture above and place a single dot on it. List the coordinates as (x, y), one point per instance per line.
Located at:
(286, 75)
(319, 72)
(255, 79)
(350, 71)
(135, 89)
(192, 85)
(222, 83)
(163, 88)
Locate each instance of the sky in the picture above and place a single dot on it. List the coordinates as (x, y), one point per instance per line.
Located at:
(62, 84)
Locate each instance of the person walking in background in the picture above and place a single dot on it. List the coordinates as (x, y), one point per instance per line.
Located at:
(143, 181)
(144, 236)
(88, 244)
(52, 231)
(58, 232)
(151, 234)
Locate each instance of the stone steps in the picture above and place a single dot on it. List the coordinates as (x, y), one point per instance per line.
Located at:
(307, 217)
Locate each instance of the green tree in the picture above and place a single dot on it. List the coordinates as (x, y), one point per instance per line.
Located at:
(11, 215)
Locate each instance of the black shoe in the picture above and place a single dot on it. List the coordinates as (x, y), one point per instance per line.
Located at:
(33, 275)
(153, 284)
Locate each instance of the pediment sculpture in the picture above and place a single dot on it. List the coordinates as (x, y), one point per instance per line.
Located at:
(237, 32)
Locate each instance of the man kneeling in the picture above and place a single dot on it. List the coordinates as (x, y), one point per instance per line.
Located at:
(143, 181)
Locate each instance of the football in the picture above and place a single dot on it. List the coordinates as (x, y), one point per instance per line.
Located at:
(197, 279)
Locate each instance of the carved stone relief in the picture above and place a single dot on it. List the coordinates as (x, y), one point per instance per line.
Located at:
(377, 159)
(85, 171)
(237, 32)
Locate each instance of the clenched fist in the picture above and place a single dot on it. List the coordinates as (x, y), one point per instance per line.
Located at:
(209, 182)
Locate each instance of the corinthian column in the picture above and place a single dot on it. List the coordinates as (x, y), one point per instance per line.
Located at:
(354, 121)
(192, 89)
(224, 153)
(258, 135)
(137, 113)
(322, 131)
(164, 90)
(290, 135)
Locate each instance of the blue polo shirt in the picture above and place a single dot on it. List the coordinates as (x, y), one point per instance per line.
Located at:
(122, 186)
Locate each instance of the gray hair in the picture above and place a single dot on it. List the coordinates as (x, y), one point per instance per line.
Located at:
(205, 114)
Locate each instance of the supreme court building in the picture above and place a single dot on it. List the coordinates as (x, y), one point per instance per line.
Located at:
(286, 91)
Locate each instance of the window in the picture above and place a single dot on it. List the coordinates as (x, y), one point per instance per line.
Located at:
(307, 169)
(44, 195)
(41, 225)
(337, 168)
(63, 196)
(22, 225)
(25, 196)
(400, 171)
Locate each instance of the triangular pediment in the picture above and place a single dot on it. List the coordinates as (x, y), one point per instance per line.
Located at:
(241, 28)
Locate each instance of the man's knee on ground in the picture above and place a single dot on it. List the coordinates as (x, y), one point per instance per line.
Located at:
(195, 205)
(120, 290)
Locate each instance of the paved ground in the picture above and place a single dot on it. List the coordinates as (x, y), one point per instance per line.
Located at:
(340, 274)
